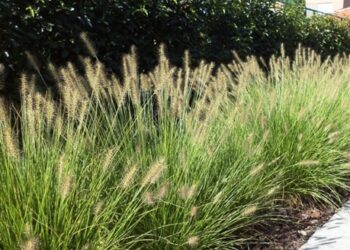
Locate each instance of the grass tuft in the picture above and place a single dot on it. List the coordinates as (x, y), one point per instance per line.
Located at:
(173, 159)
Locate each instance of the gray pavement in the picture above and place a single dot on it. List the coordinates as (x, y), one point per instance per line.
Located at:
(334, 235)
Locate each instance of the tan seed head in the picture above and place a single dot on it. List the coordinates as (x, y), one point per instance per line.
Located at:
(108, 158)
(217, 197)
(193, 241)
(66, 186)
(333, 136)
(250, 210)
(194, 211)
(129, 177)
(148, 198)
(256, 170)
(98, 208)
(88, 44)
(308, 163)
(10, 143)
(187, 192)
(154, 173)
(30, 244)
(162, 190)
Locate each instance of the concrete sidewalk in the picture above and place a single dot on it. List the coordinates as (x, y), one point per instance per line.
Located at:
(334, 235)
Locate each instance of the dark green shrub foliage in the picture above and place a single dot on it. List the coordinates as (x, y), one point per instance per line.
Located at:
(210, 29)
(328, 35)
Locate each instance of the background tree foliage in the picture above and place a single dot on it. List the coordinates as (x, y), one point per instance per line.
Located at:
(210, 29)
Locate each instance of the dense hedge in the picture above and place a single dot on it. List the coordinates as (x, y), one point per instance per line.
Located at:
(210, 29)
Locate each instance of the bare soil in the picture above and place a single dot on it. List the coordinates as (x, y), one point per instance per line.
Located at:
(294, 232)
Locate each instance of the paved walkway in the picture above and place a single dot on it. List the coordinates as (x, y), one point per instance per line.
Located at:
(334, 235)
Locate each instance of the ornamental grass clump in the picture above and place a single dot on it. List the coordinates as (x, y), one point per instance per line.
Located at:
(177, 158)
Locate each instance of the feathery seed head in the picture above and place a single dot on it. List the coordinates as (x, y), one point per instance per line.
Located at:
(274, 161)
(308, 163)
(148, 198)
(161, 52)
(118, 92)
(92, 74)
(38, 103)
(30, 244)
(256, 170)
(76, 80)
(210, 151)
(87, 247)
(108, 158)
(83, 111)
(194, 211)
(135, 92)
(264, 121)
(250, 210)
(179, 110)
(162, 191)
(54, 73)
(346, 165)
(58, 123)
(193, 241)
(187, 192)
(32, 61)
(145, 83)
(333, 136)
(3, 114)
(272, 190)
(327, 128)
(66, 186)
(300, 137)
(72, 105)
(129, 177)
(10, 141)
(98, 208)
(88, 44)
(301, 113)
(250, 139)
(346, 155)
(49, 111)
(266, 135)
(154, 173)
(60, 166)
(217, 197)
(23, 86)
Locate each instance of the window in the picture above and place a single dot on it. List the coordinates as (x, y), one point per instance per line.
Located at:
(346, 3)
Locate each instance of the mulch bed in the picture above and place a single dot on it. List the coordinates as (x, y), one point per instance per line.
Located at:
(295, 231)
(297, 227)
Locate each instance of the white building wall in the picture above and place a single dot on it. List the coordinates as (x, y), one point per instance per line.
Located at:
(328, 6)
